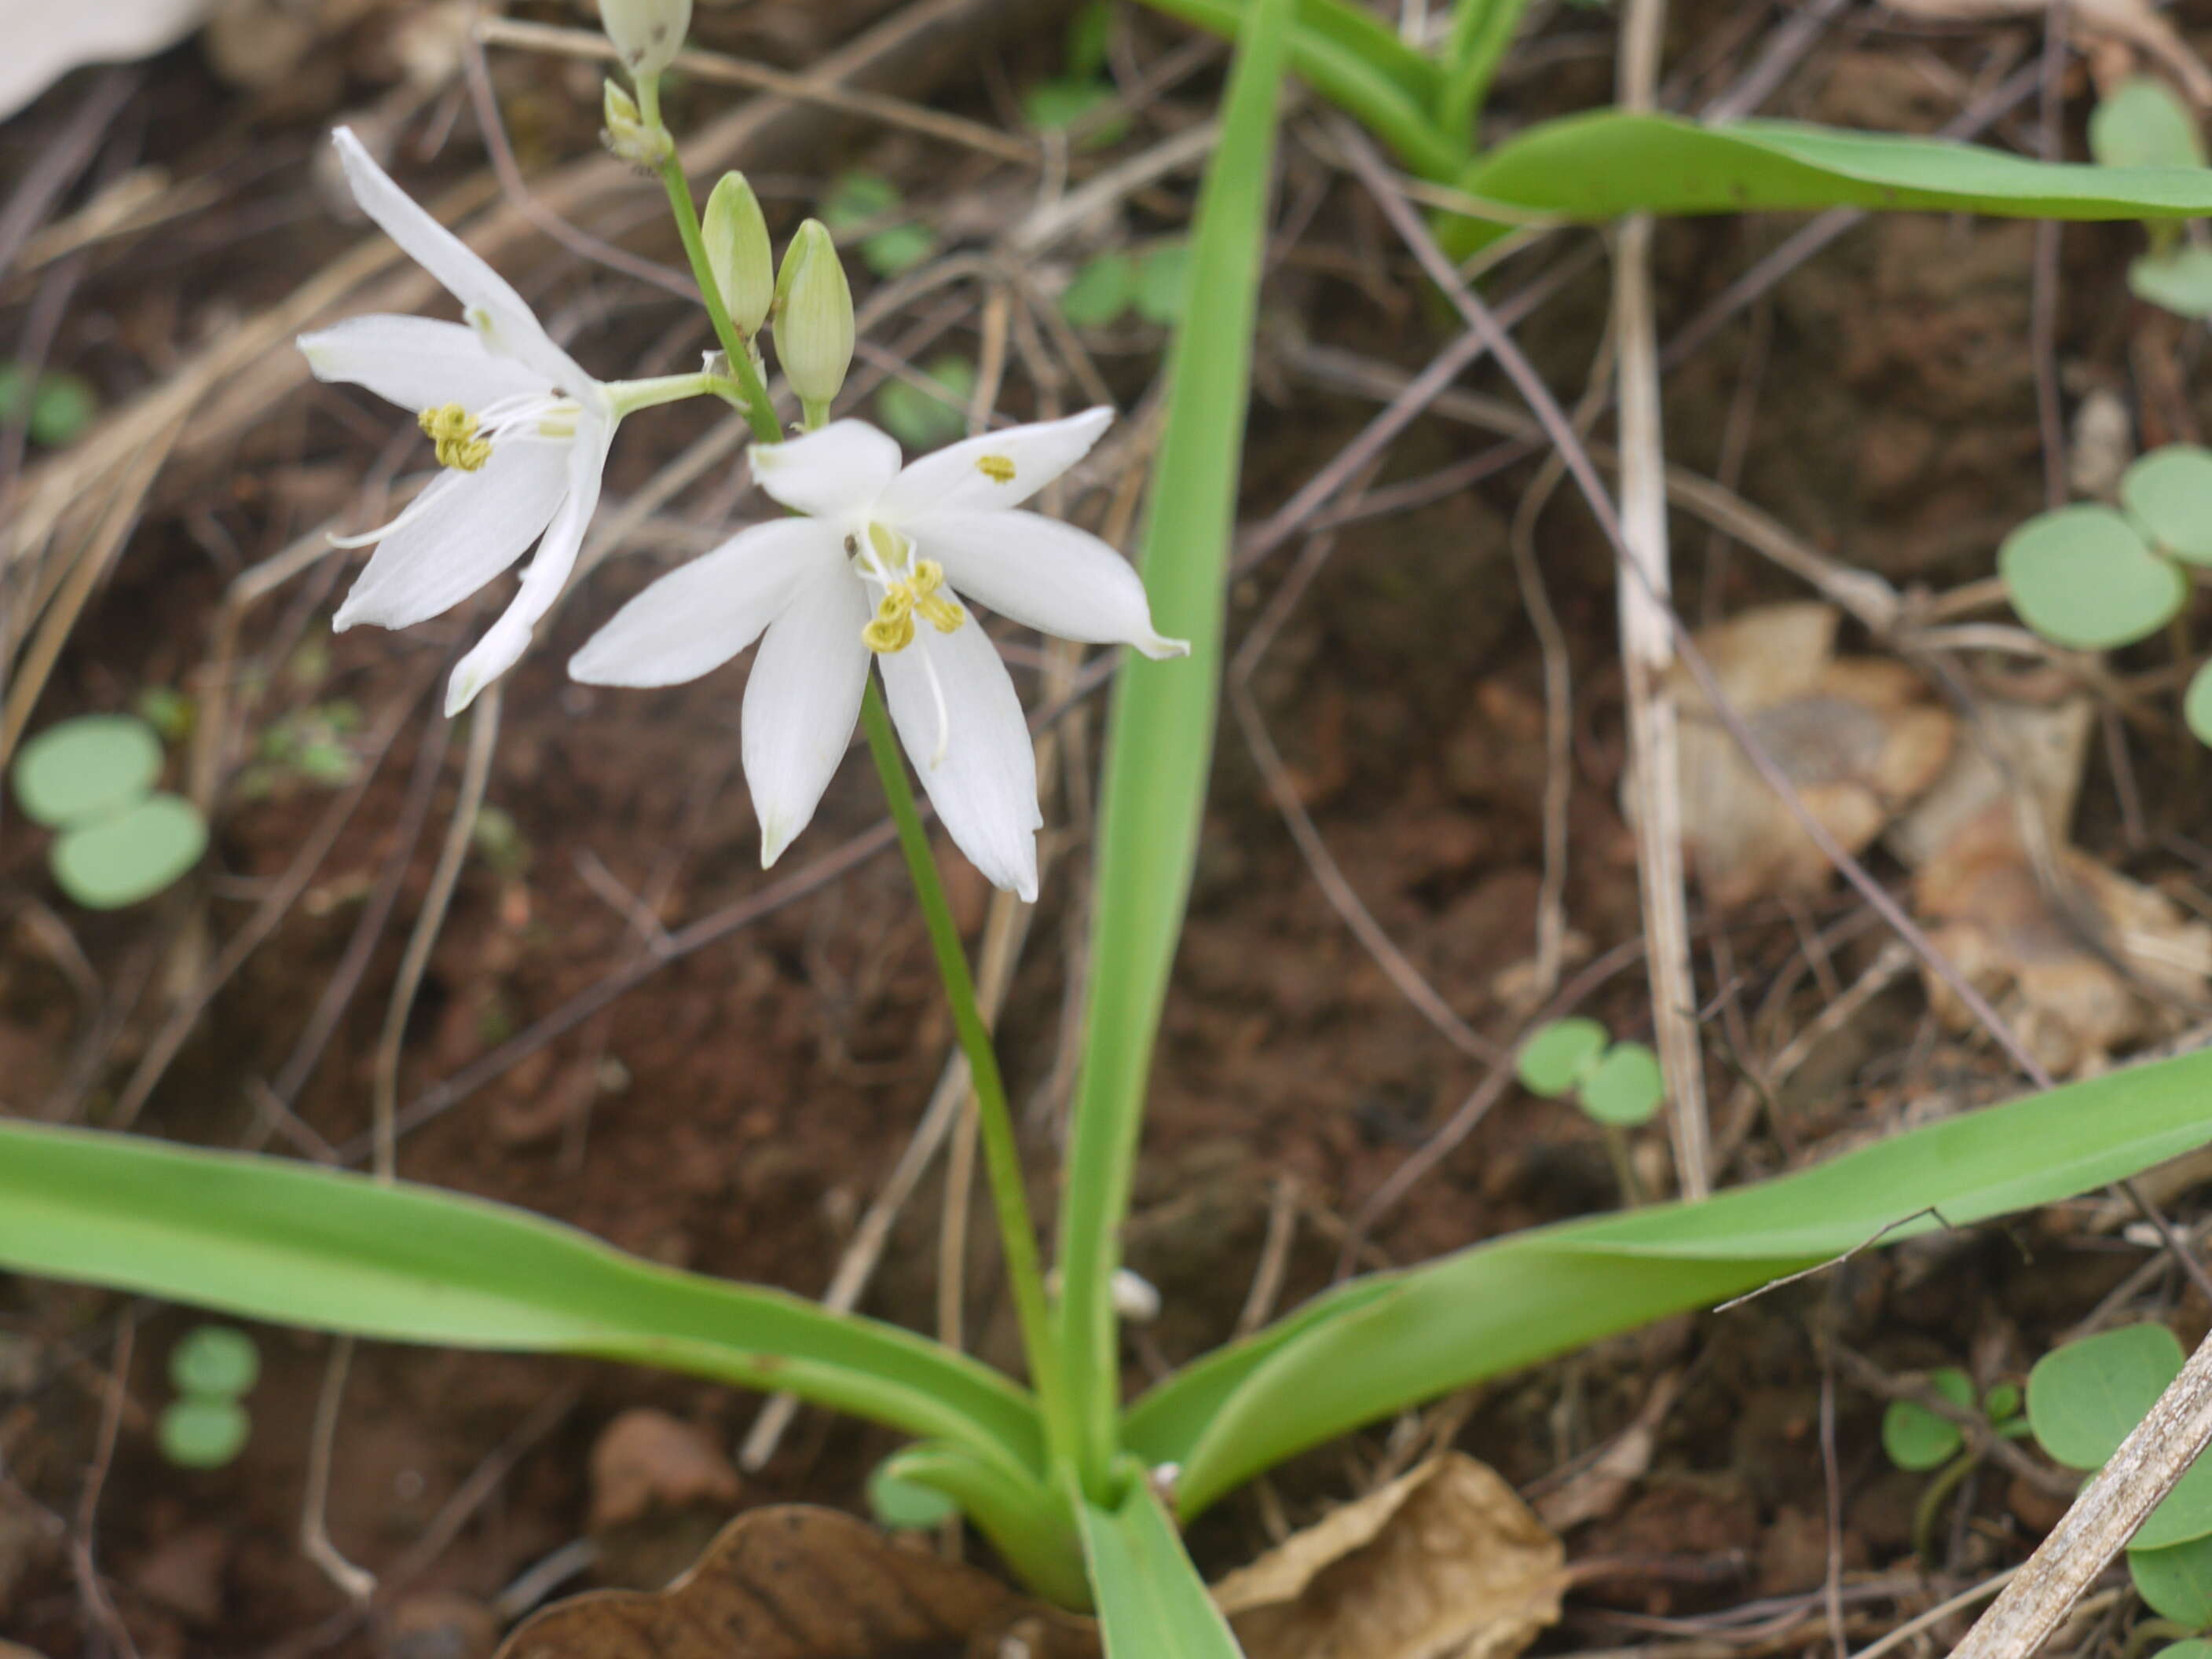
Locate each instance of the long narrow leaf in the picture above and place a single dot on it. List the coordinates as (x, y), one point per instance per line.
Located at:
(1151, 1602)
(1610, 162)
(1160, 744)
(1380, 1344)
(298, 1245)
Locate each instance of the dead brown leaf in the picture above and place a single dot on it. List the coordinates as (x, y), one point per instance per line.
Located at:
(2132, 21)
(1857, 736)
(793, 1581)
(646, 1460)
(1444, 1563)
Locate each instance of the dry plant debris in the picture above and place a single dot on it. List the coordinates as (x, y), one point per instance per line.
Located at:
(645, 1460)
(1856, 735)
(1444, 1562)
(2077, 957)
(794, 1581)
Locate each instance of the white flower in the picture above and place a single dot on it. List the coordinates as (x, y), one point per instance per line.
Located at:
(881, 551)
(521, 430)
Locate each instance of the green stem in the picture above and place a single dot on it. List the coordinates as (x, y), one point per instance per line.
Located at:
(1001, 1157)
(630, 396)
(760, 413)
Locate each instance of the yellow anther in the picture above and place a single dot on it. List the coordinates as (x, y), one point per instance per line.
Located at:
(884, 637)
(942, 614)
(998, 469)
(453, 429)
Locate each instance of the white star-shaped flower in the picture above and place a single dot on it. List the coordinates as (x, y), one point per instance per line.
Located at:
(880, 567)
(521, 430)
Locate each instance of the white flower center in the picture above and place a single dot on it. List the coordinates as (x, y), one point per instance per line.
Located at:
(885, 560)
(464, 440)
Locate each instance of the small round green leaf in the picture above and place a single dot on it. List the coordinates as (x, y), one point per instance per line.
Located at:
(1626, 1088)
(2168, 493)
(2195, 1648)
(203, 1434)
(2082, 577)
(1915, 1438)
(1560, 1056)
(2196, 704)
(2175, 1583)
(119, 860)
(2179, 281)
(900, 248)
(61, 407)
(2002, 1402)
(906, 1505)
(86, 768)
(2084, 1399)
(215, 1362)
(2144, 125)
(1100, 292)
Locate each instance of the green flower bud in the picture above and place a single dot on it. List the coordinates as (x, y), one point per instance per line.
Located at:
(813, 318)
(738, 253)
(629, 135)
(647, 34)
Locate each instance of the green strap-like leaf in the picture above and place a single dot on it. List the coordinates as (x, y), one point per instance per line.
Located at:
(1151, 1602)
(1380, 1344)
(300, 1245)
(1160, 743)
(1601, 165)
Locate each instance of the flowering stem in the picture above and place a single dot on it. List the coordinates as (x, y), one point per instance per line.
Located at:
(1001, 1157)
(630, 396)
(760, 413)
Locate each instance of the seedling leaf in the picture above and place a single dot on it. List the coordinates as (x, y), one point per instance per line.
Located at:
(203, 1434)
(2177, 1583)
(1100, 292)
(114, 861)
(2181, 280)
(2196, 705)
(215, 1362)
(1626, 1088)
(1560, 1056)
(2085, 1398)
(1163, 277)
(2143, 124)
(1915, 1438)
(86, 768)
(2082, 576)
(2169, 493)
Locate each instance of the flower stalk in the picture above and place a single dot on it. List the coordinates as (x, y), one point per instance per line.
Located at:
(994, 1119)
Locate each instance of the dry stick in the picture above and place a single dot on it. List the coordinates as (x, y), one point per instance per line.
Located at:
(84, 1568)
(2147, 1467)
(1647, 651)
(315, 1541)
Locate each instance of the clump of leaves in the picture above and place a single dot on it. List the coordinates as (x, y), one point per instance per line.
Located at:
(308, 747)
(1107, 287)
(1923, 1441)
(2094, 578)
(2085, 1398)
(1618, 1084)
(859, 198)
(2144, 124)
(921, 419)
(118, 840)
(204, 1427)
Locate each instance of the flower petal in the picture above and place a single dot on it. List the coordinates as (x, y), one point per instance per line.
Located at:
(416, 363)
(504, 642)
(460, 532)
(977, 764)
(510, 327)
(700, 615)
(1047, 576)
(998, 469)
(801, 703)
(832, 473)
